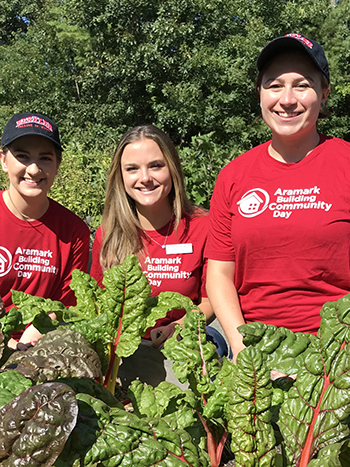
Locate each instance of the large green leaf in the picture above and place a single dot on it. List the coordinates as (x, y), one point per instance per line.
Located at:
(35, 425)
(283, 348)
(31, 306)
(334, 455)
(216, 403)
(11, 322)
(87, 293)
(195, 359)
(314, 413)
(248, 411)
(60, 353)
(12, 384)
(110, 437)
(335, 321)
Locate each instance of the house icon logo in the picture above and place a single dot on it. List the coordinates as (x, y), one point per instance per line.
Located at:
(5, 261)
(253, 202)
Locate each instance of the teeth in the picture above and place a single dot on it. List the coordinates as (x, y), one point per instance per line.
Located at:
(288, 114)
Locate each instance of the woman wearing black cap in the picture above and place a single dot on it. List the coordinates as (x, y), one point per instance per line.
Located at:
(41, 242)
(279, 237)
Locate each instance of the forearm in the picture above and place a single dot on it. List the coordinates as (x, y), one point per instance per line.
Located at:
(224, 300)
(207, 309)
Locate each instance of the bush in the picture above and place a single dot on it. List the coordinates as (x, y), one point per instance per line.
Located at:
(80, 183)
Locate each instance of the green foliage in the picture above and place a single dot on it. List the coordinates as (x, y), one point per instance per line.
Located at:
(100, 67)
(12, 384)
(201, 162)
(112, 319)
(35, 425)
(80, 183)
(307, 414)
(62, 353)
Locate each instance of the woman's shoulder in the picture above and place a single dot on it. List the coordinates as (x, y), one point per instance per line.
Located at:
(334, 149)
(198, 220)
(65, 216)
(334, 141)
(198, 216)
(245, 159)
(98, 235)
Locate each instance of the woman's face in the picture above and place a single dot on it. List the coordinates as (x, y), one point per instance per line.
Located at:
(146, 174)
(291, 95)
(31, 164)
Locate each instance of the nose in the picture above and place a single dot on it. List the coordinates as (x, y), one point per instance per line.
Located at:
(33, 168)
(287, 97)
(145, 176)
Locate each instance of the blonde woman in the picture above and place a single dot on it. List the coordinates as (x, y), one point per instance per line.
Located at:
(147, 213)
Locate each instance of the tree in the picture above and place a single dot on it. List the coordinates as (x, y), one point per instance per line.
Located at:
(100, 67)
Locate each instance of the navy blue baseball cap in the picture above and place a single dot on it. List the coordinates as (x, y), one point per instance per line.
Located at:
(297, 42)
(30, 124)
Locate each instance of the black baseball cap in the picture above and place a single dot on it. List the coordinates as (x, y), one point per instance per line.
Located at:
(30, 124)
(297, 42)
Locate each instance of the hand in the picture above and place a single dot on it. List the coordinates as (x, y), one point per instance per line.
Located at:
(30, 336)
(235, 350)
(274, 374)
(161, 334)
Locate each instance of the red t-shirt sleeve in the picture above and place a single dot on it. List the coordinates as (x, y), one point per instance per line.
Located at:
(219, 244)
(203, 279)
(78, 259)
(96, 270)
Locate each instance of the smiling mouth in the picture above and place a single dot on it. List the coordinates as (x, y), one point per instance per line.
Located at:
(288, 114)
(146, 190)
(30, 181)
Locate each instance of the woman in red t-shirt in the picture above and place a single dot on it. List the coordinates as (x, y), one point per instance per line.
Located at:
(274, 212)
(147, 213)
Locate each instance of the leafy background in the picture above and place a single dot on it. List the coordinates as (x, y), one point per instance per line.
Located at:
(100, 67)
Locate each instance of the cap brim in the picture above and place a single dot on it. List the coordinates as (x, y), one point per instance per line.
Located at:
(6, 142)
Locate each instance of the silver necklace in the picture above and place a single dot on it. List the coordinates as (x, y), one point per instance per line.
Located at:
(166, 238)
(22, 216)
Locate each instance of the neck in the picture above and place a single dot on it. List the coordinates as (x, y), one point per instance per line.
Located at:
(28, 210)
(291, 149)
(154, 219)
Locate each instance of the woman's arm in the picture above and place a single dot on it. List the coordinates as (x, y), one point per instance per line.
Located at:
(207, 309)
(224, 299)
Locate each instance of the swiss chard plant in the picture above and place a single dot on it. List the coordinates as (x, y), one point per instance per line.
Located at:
(57, 411)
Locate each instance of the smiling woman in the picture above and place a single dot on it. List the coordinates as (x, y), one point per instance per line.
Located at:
(41, 242)
(147, 213)
(278, 244)
(292, 92)
(147, 181)
(31, 165)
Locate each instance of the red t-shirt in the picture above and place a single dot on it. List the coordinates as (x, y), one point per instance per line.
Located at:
(38, 257)
(287, 227)
(175, 272)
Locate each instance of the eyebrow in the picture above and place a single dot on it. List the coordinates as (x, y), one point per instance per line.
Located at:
(43, 153)
(160, 161)
(308, 78)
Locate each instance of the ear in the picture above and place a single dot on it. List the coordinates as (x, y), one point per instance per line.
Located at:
(325, 94)
(3, 161)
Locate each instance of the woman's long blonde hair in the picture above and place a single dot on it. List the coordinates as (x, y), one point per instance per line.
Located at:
(121, 229)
